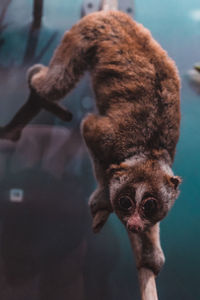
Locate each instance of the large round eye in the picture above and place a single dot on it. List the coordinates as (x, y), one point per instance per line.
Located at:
(125, 203)
(150, 207)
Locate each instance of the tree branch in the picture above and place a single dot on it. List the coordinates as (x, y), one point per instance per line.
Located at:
(45, 48)
(27, 112)
(4, 11)
(34, 31)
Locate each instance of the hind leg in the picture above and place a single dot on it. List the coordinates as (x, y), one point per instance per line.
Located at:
(99, 136)
(98, 133)
(49, 82)
(65, 68)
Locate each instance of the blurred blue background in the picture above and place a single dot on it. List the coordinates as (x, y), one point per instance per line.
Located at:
(48, 250)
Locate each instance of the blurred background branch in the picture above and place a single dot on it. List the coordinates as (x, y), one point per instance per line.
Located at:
(3, 12)
(34, 34)
(34, 31)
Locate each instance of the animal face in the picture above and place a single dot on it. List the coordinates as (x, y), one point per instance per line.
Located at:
(141, 195)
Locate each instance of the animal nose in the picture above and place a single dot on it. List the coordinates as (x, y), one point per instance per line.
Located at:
(135, 228)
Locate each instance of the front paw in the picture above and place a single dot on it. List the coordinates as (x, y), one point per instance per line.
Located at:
(100, 208)
(32, 71)
(98, 201)
(153, 260)
(99, 219)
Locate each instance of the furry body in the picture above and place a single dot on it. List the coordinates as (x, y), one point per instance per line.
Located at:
(135, 83)
(133, 137)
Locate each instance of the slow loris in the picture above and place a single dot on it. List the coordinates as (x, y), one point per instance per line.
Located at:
(133, 137)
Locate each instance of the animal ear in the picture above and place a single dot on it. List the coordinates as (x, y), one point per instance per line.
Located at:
(175, 180)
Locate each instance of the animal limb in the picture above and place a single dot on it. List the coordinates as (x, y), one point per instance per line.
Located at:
(97, 132)
(100, 208)
(149, 260)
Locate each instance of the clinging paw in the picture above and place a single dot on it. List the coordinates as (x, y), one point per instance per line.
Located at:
(154, 260)
(99, 201)
(99, 219)
(100, 208)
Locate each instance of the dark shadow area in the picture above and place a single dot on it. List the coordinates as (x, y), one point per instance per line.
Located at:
(46, 241)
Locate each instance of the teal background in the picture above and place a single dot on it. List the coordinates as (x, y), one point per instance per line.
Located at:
(176, 26)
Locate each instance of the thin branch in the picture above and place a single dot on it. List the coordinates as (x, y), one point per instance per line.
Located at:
(2, 17)
(45, 48)
(147, 284)
(37, 14)
(34, 31)
(27, 112)
(4, 11)
(146, 276)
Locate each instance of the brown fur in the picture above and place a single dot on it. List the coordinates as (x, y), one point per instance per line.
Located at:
(134, 81)
(136, 86)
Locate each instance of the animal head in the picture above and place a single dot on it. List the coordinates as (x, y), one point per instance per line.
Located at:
(142, 192)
